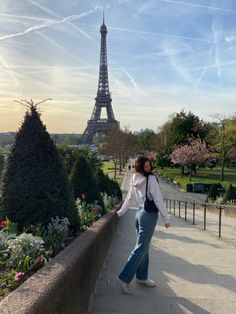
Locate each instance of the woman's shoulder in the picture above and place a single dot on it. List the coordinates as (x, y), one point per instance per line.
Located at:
(152, 175)
(153, 178)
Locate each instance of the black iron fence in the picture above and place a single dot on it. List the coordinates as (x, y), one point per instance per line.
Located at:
(187, 211)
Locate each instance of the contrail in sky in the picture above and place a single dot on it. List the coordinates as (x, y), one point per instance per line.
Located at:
(47, 24)
(15, 16)
(150, 33)
(60, 47)
(48, 11)
(198, 5)
(11, 74)
(129, 76)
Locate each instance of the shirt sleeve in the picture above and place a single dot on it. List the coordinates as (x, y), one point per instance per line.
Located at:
(158, 199)
(125, 206)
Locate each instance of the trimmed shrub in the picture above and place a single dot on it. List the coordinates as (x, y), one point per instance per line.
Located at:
(1, 165)
(35, 187)
(83, 182)
(116, 189)
(207, 186)
(230, 195)
(189, 187)
(104, 183)
(214, 192)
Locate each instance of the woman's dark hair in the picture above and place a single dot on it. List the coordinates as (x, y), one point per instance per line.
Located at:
(139, 164)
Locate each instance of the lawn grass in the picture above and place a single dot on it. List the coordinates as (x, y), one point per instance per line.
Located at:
(203, 175)
(106, 165)
(107, 169)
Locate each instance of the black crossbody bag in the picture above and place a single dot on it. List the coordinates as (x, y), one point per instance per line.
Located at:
(149, 205)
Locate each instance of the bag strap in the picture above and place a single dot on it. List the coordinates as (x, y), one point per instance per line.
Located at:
(147, 186)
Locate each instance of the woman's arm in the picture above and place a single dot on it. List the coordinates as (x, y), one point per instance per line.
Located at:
(125, 206)
(158, 199)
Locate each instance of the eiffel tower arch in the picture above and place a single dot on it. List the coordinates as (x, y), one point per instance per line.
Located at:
(96, 126)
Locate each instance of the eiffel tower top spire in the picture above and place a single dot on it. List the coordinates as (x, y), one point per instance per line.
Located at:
(103, 85)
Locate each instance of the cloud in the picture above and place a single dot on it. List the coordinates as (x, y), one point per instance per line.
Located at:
(230, 38)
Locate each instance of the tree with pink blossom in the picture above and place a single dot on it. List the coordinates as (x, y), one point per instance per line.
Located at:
(191, 155)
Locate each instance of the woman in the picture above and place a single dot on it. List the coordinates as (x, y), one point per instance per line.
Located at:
(138, 260)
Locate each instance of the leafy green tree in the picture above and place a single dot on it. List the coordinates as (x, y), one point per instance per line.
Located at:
(147, 141)
(187, 125)
(112, 146)
(35, 186)
(177, 131)
(224, 140)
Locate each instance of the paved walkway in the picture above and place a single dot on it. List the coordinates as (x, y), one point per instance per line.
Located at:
(195, 271)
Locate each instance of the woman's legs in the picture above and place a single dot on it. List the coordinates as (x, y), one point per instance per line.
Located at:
(138, 259)
(142, 271)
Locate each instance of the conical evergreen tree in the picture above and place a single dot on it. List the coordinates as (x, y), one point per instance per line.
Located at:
(83, 182)
(229, 195)
(1, 165)
(117, 190)
(103, 182)
(35, 187)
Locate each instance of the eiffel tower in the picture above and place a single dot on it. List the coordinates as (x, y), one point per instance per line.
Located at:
(97, 127)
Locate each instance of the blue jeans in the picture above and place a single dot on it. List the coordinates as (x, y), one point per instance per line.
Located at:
(138, 260)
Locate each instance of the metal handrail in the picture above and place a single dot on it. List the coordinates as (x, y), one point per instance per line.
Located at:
(169, 202)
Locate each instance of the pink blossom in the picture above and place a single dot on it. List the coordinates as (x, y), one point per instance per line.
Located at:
(19, 275)
(83, 196)
(196, 153)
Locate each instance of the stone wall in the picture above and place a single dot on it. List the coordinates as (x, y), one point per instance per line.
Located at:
(66, 283)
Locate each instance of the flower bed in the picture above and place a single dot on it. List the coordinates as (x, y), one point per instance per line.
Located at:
(21, 255)
(65, 283)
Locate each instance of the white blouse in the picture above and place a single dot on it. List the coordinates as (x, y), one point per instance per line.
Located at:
(137, 193)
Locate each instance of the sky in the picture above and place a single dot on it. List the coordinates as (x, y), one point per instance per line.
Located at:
(163, 56)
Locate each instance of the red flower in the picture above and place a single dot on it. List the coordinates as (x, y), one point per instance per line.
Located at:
(3, 224)
(19, 275)
(83, 196)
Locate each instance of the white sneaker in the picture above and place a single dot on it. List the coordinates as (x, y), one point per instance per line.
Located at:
(124, 286)
(147, 282)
